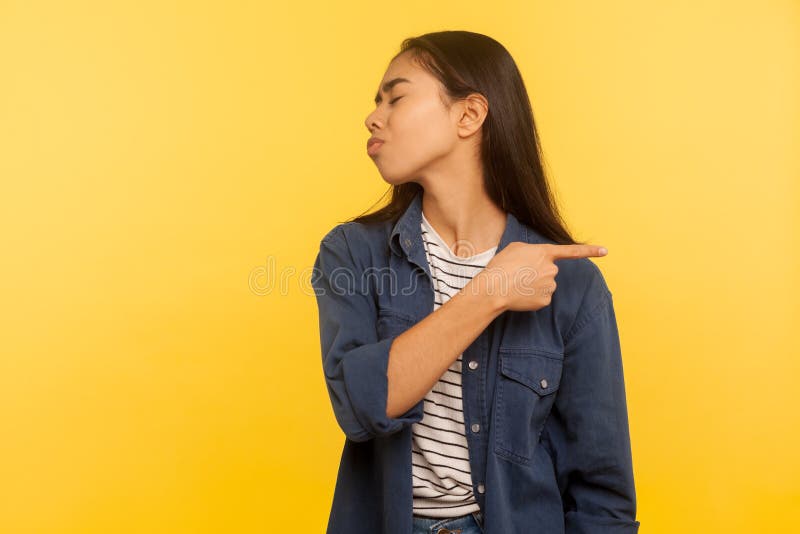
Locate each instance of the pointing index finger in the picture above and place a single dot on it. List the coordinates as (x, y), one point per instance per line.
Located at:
(577, 251)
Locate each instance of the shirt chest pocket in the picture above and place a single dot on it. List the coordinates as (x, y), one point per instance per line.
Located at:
(528, 379)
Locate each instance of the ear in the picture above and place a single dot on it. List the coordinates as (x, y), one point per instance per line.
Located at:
(472, 112)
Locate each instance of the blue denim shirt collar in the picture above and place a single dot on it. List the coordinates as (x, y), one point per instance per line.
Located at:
(405, 234)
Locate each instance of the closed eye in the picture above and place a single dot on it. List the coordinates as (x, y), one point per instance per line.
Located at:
(392, 101)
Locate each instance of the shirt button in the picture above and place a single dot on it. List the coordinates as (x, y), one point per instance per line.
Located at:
(408, 242)
(481, 488)
(473, 364)
(476, 427)
(543, 383)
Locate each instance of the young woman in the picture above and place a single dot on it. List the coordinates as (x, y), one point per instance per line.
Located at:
(474, 395)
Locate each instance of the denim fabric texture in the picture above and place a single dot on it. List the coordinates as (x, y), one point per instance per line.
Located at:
(552, 452)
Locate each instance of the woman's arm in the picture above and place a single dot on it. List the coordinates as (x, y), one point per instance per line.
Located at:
(375, 385)
(421, 354)
(587, 430)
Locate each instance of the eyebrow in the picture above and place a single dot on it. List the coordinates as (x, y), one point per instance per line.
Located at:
(388, 87)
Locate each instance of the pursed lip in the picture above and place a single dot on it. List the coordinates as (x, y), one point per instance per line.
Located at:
(372, 140)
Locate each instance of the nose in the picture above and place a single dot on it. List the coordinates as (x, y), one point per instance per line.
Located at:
(371, 122)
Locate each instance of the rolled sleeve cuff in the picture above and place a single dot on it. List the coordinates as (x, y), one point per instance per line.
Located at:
(367, 385)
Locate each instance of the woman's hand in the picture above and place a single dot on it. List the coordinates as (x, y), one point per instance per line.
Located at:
(521, 277)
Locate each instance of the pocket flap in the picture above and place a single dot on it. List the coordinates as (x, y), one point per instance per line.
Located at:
(539, 371)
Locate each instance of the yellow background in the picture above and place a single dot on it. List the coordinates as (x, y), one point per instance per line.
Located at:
(155, 157)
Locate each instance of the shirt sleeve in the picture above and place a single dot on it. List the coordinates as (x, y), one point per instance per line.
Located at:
(587, 430)
(354, 360)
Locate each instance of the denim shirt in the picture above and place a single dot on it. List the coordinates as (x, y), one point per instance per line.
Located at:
(545, 411)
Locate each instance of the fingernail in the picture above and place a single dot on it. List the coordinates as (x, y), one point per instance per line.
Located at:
(603, 250)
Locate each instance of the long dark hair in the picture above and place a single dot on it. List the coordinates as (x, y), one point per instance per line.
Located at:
(467, 62)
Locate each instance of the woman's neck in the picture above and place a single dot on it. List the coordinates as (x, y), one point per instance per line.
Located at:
(467, 220)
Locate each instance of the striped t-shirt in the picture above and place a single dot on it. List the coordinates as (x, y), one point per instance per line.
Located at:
(442, 481)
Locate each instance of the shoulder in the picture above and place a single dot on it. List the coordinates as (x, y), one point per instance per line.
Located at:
(581, 289)
(364, 243)
(356, 234)
(582, 274)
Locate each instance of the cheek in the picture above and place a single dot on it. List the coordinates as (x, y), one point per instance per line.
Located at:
(422, 133)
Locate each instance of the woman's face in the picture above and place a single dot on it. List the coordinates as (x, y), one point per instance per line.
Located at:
(417, 130)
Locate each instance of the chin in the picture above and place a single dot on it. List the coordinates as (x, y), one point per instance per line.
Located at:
(395, 179)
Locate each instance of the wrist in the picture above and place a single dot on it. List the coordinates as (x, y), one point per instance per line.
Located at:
(490, 291)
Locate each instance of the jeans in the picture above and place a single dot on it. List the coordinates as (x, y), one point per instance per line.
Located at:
(465, 524)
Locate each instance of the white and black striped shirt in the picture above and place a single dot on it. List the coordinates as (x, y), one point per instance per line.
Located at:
(442, 481)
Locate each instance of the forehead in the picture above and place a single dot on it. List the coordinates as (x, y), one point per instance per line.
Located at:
(404, 67)
(401, 64)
